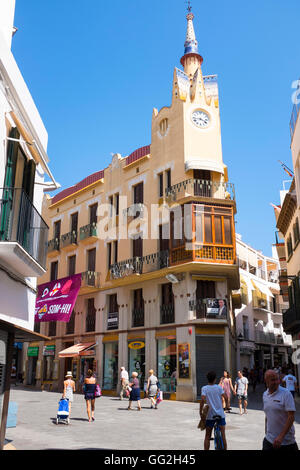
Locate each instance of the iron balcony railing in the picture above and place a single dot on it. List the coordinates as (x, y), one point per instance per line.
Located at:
(265, 337)
(291, 320)
(209, 308)
(90, 322)
(90, 279)
(53, 245)
(69, 238)
(202, 188)
(167, 314)
(20, 222)
(138, 315)
(140, 265)
(87, 231)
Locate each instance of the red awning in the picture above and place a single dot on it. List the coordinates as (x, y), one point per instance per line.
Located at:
(76, 350)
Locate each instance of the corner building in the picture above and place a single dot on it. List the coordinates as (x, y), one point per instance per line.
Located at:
(152, 300)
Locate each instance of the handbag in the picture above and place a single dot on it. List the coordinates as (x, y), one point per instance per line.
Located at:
(159, 397)
(98, 392)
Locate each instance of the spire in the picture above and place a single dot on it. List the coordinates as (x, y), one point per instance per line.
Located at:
(191, 44)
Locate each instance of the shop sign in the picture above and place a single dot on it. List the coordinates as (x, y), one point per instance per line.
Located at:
(33, 351)
(89, 352)
(136, 345)
(49, 350)
(56, 299)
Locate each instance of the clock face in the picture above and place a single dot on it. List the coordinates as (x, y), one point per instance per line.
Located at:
(200, 118)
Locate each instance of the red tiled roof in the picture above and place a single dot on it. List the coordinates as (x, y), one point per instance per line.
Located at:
(137, 154)
(77, 187)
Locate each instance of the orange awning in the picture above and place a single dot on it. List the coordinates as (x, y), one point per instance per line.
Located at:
(76, 350)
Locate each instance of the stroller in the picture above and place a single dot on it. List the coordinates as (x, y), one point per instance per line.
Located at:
(63, 411)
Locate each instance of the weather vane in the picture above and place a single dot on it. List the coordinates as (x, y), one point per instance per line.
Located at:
(189, 8)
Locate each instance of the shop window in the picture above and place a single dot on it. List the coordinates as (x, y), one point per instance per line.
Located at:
(166, 364)
(48, 368)
(136, 355)
(110, 365)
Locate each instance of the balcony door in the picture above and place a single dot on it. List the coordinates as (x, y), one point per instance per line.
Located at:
(202, 186)
(74, 227)
(91, 264)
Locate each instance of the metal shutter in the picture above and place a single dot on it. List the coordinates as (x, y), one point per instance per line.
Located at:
(209, 357)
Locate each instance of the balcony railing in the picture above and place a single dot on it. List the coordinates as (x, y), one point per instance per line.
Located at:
(265, 337)
(140, 265)
(209, 253)
(209, 308)
(167, 314)
(68, 239)
(53, 245)
(202, 188)
(137, 317)
(20, 222)
(88, 231)
(90, 279)
(90, 322)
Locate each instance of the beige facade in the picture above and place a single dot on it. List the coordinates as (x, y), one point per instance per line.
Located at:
(156, 301)
(287, 243)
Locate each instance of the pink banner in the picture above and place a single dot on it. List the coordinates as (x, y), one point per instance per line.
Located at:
(56, 299)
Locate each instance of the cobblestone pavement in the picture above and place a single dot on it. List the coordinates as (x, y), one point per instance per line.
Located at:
(172, 427)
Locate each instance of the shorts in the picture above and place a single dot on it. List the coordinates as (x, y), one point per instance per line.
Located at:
(269, 446)
(242, 397)
(211, 422)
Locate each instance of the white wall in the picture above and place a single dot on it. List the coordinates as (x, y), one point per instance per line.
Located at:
(7, 13)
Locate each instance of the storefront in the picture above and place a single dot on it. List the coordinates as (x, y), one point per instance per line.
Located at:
(167, 363)
(32, 362)
(79, 358)
(110, 365)
(136, 359)
(50, 369)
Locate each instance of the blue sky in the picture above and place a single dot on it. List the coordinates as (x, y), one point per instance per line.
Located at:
(96, 69)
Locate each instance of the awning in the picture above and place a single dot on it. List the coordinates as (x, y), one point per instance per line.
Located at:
(22, 335)
(263, 289)
(76, 350)
(247, 283)
(199, 164)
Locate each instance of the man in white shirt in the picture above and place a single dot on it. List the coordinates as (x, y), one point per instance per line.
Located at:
(279, 408)
(241, 389)
(290, 382)
(212, 395)
(124, 381)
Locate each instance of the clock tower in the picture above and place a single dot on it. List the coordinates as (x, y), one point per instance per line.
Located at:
(189, 130)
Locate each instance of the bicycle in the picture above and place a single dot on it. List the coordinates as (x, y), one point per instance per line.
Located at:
(219, 445)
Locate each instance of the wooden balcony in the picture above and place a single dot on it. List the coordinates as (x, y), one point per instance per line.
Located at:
(203, 253)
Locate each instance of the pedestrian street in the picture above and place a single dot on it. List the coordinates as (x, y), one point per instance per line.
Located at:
(172, 427)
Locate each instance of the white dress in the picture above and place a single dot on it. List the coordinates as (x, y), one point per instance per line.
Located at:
(69, 391)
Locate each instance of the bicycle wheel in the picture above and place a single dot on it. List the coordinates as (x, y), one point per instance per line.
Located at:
(218, 439)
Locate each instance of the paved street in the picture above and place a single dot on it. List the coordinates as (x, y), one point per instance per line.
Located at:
(172, 427)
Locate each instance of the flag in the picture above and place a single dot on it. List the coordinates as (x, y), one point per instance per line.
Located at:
(286, 169)
(275, 207)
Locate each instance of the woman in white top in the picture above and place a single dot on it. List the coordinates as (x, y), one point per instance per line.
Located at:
(69, 388)
(152, 388)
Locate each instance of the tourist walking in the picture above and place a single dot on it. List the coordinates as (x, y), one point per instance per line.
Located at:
(69, 389)
(241, 389)
(124, 378)
(89, 394)
(152, 388)
(226, 384)
(279, 408)
(212, 395)
(135, 393)
(290, 382)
